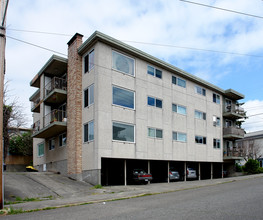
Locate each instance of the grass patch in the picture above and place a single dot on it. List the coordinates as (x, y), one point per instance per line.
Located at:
(20, 200)
(97, 186)
(13, 211)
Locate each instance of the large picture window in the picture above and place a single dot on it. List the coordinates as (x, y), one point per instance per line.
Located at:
(89, 96)
(122, 132)
(89, 131)
(123, 97)
(89, 61)
(122, 63)
(40, 151)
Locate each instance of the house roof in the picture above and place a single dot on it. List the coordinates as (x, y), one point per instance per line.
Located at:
(98, 36)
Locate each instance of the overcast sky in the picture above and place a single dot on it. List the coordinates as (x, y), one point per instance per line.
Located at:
(167, 22)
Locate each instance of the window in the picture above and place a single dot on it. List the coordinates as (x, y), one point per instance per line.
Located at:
(51, 144)
(200, 90)
(122, 63)
(123, 97)
(177, 136)
(200, 115)
(179, 109)
(40, 151)
(216, 98)
(89, 96)
(216, 143)
(178, 81)
(62, 139)
(154, 72)
(155, 133)
(216, 121)
(200, 140)
(89, 131)
(89, 61)
(122, 132)
(155, 102)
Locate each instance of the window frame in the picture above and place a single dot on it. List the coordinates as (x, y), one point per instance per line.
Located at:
(155, 132)
(175, 81)
(177, 139)
(155, 102)
(216, 143)
(86, 133)
(128, 90)
(38, 145)
(216, 121)
(154, 72)
(50, 146)
(202, 90)
(62, 143)
(126, 124)
(88, 99)
(216, 98)
(113, 65)
(200, 113)
(87, 64)
(177, 107)
(202, 138)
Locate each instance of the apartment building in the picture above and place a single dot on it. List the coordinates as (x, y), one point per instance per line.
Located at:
(110, 108)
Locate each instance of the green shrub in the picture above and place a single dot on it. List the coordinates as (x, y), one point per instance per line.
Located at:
(238, 168)
(251, 166)
(260, 169)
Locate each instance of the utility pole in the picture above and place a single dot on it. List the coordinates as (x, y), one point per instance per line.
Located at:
(3, 10)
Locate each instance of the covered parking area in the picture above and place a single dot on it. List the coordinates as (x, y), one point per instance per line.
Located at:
(120, 171)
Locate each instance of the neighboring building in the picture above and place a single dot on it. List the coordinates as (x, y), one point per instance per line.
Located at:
(111, 108)
(252, 146)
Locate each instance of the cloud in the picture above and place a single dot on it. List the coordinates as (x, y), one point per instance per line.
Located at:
(253, 108)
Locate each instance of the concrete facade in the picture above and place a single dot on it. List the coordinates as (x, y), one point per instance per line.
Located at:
(84, 157)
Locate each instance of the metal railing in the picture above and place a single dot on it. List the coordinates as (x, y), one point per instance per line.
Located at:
(35, 103)
(55, 115)
(233, 108)
(234, 152)
(55, 83)
(234, 131)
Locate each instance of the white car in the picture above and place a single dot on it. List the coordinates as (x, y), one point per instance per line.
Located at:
(191, 173)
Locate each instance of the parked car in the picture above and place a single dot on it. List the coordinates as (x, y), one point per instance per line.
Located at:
(139, 175)
(174, 175)
(191, 173)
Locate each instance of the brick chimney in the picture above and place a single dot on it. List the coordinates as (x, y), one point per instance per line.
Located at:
(74, 108)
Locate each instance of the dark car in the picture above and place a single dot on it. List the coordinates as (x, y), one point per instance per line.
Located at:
(139, 175)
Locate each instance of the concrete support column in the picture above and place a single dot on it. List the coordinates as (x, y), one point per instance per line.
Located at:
(222, 170)
(199, 171)
(149, 169)
(184, 171)
(125, 173)
(212, 173)
(168, 172)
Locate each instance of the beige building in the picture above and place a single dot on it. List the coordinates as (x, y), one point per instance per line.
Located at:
(110, 108)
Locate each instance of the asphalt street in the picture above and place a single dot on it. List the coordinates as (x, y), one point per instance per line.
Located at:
(232, 200)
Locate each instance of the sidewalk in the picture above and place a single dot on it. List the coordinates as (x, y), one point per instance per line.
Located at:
(109, 193)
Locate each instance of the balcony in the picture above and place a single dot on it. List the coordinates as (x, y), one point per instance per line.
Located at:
(35, 101)
(233, 133)
(234, 112)
(54, 123)
(233, 154)
(55, 91)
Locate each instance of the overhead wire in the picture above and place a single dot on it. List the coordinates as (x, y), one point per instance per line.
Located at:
(223, 9)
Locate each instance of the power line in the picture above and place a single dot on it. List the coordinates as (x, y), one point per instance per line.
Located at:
(37, 46)
(152, 44)
(223, 9)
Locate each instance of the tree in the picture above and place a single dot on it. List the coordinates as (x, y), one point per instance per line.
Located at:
(13, 116)
(21, 145)
(251, 149)
(251, 166)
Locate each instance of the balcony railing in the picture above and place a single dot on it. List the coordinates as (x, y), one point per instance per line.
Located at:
(55, 116)
(234, 152)
(55, 83)
(35, 103)
(233, 108)
(233, 132)
(36, 126)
